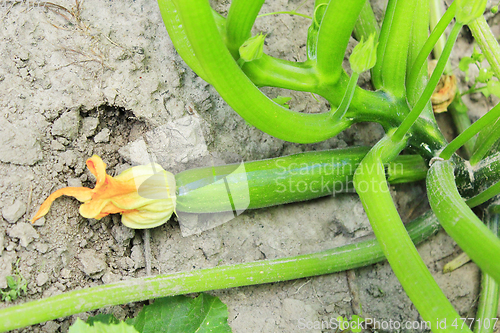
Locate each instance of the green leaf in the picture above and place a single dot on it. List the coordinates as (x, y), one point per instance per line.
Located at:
(81, 327)
(485, 74)
(477, 55)
(494, 88)
(282, 100)
(364, 55)
(11, 282)
(102, 318)
(464, 63)
(182, 314)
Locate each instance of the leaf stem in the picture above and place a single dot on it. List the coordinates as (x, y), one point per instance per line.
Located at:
(487, 42)
(336, 115)
(466, 135)
(431, 85)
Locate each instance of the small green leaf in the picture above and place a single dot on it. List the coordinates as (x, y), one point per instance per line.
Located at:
(464, 63)
(477, 55)
(484, 75)
(81, 327)
(252, 48)
(11, 282)
(494, 88)
(282, 100)
(182, 314)
(364, 55)
(102, 318)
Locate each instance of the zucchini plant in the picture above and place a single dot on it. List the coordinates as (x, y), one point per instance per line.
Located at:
(222, 51)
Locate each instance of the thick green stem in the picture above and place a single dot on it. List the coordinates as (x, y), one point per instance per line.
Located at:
(334, 32)
(419, 35)
(458, 111)
(429, 89)
(459, 220)
(430, 43)
(222, 277)
(367, 24)
(465, 136)
(487, 42)
(390, 71)
(239, 23)
(488, 302)
(239, 92)
(402, 255)
(486, 140)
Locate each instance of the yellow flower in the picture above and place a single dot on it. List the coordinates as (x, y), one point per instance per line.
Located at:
(144, 195)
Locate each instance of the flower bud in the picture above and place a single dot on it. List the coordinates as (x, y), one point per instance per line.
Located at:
(469, 10)
(364, 55)
(252, 48)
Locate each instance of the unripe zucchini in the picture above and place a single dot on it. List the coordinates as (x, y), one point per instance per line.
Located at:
(269, 182)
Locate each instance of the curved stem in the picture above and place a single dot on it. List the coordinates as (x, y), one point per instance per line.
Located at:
(429, 89)
(264, 271)
(436, 34)
(393, 48)
(402, 255)
(240, 20)
(459, 220)
(239, 92)
(366, 24)
(336, 115)
(466, 135)
(487, 42)
(334, 32)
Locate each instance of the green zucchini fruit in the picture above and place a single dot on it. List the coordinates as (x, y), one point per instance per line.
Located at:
(276, 181)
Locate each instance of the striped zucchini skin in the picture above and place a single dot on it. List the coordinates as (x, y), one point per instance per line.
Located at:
(263, 183)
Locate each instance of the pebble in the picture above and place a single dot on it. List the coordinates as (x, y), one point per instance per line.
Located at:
(137, 256)
(89, 125)
(122, 234)
(19, 145)
(67, 125)
(2, 241)
(65, 273)
(14, 212)
(102, 136)
(40, 222)
(91, 262)
(42, 279)
(109, 277)
(74, 182)
(25, 232)
(68, 158)
(56, 145)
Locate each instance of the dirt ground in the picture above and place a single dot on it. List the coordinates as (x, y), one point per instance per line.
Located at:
(102, 78)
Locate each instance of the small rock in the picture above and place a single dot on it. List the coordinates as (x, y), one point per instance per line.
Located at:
(102, 136)
(42, 279)
(74, 182)
(91, 261)
(67, 125)
(40, 222)
(66, 273)
(68, 158)
(14, 212)
(122, 234)
(51, 326)
(56, 145)
(25, 232)
(41, 247)
(89, 125)
(109, 277)
(19, 145)
(137, 256)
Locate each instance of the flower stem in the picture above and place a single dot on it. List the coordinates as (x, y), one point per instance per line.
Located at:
(487, 42)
